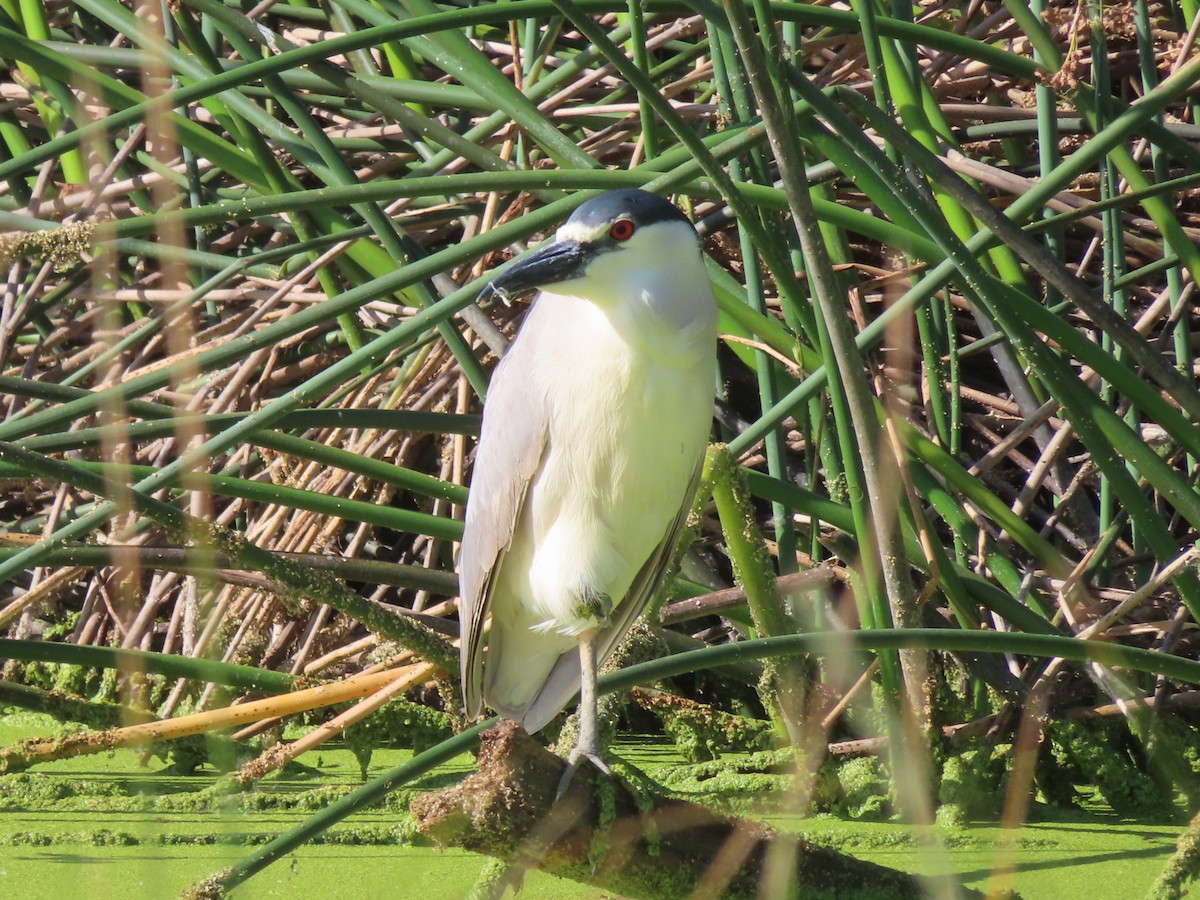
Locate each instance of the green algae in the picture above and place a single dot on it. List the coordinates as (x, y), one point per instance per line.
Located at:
(1182, 868)
(401, 723)
(124, 826)
(865, 789)
(643, 789)
(973, 783)
(746, 785)
(738, 785)
(494, 878)
(1174, 750)
(1106, 755)
(606, 795)
(702, 732)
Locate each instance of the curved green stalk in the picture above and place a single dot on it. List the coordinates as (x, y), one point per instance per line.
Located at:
(170, 665)
(784, 686)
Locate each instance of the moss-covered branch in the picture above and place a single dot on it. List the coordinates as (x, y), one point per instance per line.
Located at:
(604, 834)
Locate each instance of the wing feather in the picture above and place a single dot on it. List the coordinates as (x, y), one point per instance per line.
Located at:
(512, 442)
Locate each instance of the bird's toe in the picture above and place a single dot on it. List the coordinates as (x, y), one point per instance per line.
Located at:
(575, 760)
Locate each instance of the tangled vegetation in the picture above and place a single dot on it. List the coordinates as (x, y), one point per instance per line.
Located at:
(945, 550)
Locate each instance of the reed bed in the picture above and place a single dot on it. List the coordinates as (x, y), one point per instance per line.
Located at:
(955, 251)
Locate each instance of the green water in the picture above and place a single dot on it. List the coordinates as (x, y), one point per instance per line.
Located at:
(114, 826)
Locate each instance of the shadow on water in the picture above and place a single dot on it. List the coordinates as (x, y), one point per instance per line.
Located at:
(1063, 859)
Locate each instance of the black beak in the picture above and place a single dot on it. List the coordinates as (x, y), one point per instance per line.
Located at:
(555, 262)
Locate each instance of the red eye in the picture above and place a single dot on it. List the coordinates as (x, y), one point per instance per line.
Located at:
(622, 230)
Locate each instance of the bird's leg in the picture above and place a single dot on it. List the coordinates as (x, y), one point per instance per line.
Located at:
(587, 746)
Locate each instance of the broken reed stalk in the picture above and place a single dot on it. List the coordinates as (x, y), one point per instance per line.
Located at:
(28, 753)
(278, 756)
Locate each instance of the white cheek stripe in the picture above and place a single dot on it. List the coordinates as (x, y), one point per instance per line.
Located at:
(576, 231)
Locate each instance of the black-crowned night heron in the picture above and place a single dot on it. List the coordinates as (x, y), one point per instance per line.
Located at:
(593, 436)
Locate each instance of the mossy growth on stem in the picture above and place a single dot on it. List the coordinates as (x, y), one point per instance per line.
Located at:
(702, 732)
(1182, 869)
(866, 789)
(401, 723)
(761, 781)
(1174, 750)
(973, 783)
(1107, 755)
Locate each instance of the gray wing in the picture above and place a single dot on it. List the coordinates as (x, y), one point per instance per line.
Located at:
(563, 681)
(512, 442)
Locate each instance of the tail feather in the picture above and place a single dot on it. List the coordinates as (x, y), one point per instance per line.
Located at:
(520, 667)
(559, 686)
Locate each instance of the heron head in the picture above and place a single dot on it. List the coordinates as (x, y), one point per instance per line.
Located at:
(617, 245)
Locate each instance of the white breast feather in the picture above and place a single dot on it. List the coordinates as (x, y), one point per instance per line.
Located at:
(604, 497)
